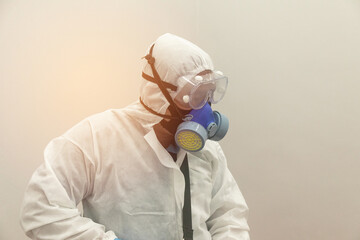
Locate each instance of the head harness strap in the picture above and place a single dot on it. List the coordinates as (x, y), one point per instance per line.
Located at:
(163, 87)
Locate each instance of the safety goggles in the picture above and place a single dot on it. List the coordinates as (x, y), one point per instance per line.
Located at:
(207, 86)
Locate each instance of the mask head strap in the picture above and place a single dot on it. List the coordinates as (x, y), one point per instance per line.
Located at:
(156, 113)
(163, 87)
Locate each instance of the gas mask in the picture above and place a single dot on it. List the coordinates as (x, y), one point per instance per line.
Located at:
(200, 125)
(196, 92)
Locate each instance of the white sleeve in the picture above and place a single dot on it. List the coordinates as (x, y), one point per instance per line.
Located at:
(228, 209)
(49, 209)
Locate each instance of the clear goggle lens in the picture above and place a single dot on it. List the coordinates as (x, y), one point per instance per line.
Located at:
(209, 90)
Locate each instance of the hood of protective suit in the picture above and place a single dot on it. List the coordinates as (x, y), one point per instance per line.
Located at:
(174, 57)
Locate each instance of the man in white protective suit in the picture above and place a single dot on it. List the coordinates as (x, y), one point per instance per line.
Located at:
(150, 171)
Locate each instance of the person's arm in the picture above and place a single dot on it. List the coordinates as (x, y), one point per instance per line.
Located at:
(229, 212)
(49, 209)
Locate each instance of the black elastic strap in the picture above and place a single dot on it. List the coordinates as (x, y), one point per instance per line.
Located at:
(156, 113)
(151, 60)
(187, 222)
(166, 84)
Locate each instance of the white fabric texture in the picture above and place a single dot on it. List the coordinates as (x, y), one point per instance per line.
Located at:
(175, 57)
(129, 185)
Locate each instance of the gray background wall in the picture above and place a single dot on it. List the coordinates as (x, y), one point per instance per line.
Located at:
(293, 98)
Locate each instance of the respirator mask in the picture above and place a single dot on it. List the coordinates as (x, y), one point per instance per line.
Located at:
(196, 94)
(200, 125)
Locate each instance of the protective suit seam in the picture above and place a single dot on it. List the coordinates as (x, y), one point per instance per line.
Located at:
(48, 166)
(77, 146)
(92, 142)
(90, 186)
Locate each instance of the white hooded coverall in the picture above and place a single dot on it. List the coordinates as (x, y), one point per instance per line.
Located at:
(129, 185)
